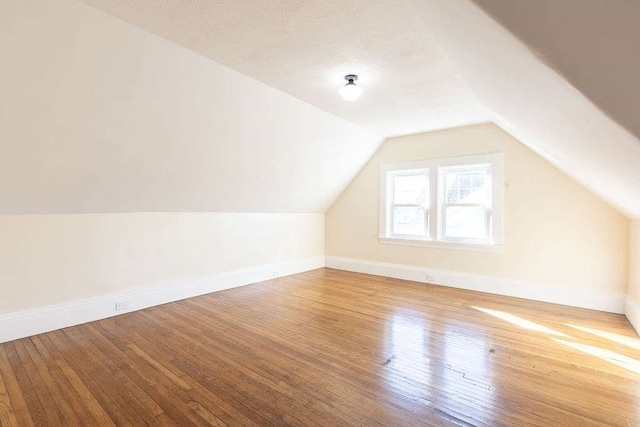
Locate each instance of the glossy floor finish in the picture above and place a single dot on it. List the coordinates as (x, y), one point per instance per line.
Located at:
(329, 347)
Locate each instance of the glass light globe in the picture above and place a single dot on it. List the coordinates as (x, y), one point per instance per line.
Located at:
(350, 91)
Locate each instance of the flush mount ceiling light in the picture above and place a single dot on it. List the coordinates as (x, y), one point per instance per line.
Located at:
(350, 91)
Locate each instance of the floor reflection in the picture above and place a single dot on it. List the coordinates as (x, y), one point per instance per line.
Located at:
(407, 352)
(435, 360)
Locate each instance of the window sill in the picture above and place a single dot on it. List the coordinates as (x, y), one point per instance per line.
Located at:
(496, 249)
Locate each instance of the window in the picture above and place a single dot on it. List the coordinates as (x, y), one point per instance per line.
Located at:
(409, 203)
(452, 203)
(465, 203)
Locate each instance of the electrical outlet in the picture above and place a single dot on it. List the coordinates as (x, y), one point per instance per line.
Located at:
(122, 305)
(430, 277)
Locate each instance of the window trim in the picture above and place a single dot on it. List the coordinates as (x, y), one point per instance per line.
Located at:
(434, 236)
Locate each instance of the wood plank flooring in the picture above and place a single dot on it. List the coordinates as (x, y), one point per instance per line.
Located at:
(329, 347)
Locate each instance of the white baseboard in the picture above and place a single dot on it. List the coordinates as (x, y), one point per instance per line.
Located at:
(632, 311)
(31, 322)
(603, 301)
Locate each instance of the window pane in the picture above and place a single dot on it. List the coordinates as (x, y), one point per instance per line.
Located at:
(467, 222)
(467, 186)
(410, 221)
(478, 180)
(409, 189)
(452, 186)
(465, 181)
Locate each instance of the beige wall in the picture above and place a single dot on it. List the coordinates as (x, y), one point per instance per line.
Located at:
(555, 231)
(634, 261)
(50, 259)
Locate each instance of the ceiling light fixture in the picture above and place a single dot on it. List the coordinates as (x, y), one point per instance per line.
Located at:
(350, 91)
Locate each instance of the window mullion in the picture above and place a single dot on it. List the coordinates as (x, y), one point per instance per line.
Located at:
(433, 203)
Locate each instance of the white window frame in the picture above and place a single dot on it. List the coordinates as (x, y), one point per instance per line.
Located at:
(435, 219)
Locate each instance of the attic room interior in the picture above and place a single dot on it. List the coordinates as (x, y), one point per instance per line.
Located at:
(294, 212)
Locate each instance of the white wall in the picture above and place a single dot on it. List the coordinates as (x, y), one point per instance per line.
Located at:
(555, 232)
(633, 290)
(634, 261)
(52, 259)
(98, 116)
(100, 120)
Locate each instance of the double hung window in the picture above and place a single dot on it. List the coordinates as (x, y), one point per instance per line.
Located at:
(454, 203)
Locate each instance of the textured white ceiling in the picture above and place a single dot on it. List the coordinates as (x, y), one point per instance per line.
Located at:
(305, 47)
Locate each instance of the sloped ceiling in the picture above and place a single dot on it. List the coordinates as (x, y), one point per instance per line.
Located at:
(529, 99)
(306, 47)
(594, 44)
(100, 116)
(97, 115)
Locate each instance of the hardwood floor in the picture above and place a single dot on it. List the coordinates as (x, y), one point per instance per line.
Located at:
(330, 348)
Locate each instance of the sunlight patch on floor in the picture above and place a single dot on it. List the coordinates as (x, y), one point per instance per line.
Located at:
(612, 336)
(604, 354)
(519, 321)
(610, 356)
